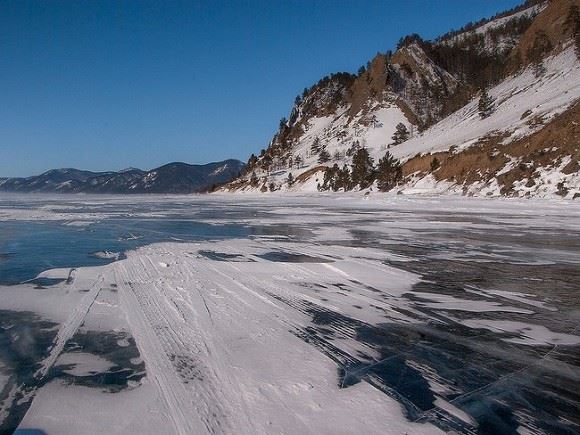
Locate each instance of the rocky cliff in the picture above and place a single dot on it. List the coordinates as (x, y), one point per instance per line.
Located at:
(422, 104)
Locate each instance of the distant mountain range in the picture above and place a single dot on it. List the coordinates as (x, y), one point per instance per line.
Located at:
(171, 178)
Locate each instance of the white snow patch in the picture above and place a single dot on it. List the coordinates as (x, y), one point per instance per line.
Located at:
(83, 364)
(530, 334)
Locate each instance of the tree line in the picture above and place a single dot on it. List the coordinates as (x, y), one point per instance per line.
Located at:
(363, 173)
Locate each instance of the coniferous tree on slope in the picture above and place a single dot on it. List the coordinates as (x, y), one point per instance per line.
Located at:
(324, 155)
(254, 179)
(336, 179)
(401, 134)
(298, 161)
(315, 147)
(329, 180)
(389, 172)
(363, 170)
(343, 178)
(435, 163)
(252, 161)
(486, 105)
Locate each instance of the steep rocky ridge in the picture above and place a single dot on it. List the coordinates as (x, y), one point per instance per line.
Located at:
(525, 58)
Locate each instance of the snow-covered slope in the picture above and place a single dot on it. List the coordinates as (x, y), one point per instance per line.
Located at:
(522, 94)
(524, 104)
(488, 36)
(532, 93)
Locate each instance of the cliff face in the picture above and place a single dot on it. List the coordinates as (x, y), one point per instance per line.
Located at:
(421, 83)
(552, 29)
(525, 58)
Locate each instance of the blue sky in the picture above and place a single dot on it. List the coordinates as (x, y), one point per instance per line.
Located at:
(105, 85)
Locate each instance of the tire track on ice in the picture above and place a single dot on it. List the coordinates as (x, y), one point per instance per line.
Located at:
(168, 335)
(68, 329)
(64, 334)
(242, 313)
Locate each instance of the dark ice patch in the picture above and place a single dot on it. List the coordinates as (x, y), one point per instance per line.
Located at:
(6, 255)
(223, 256)
(289, 257)
(25, 340)
(41, 283)
(104, 345)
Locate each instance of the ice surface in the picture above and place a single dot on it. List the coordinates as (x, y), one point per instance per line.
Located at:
(333, 315)
(527, 333)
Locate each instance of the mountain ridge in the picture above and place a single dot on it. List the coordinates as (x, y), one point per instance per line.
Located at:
(175, 177)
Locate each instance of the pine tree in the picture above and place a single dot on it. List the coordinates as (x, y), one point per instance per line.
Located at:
(363, 170)
(254, 179)
(266, 162)
(486, 105)
(315, 147)
(298, 161)
(343, 179)
(329, 179)
(353, 148)
(401, 134)
(324, 155)
(251, 164)
(252, 160)
(389, 172)
(539, 69)
(435, 164)
(290, 179)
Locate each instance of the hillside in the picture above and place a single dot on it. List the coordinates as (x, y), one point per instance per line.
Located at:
(525, 143)
(171, 178)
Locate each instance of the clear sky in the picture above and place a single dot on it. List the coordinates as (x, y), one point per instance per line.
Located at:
(103, 85)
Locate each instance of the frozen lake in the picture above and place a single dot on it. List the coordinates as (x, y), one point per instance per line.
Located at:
(264, 314)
